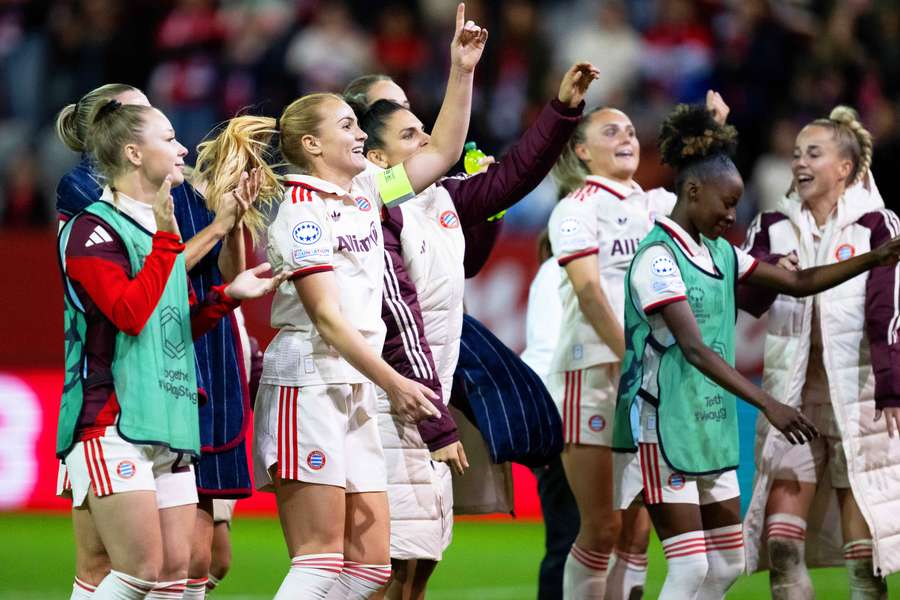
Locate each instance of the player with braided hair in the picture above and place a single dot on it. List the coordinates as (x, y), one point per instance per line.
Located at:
(676, 421)
(832, 357)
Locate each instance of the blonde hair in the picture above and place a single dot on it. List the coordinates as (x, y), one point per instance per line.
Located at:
(242, 145)
(570, 171)
(854, 141)
(74, 120)
(113, 127)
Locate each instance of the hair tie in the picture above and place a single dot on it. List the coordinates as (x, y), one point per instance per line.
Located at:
(107, 108)
(277, 126)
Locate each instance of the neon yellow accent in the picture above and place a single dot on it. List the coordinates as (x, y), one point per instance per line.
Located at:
(497, 217)
(394, 186)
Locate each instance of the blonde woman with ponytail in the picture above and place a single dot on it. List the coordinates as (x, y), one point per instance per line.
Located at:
(317, 444)
(836, 500)
(594, 232)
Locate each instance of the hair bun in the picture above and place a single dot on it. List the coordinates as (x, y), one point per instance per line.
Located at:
(843, 114)
(690, 134)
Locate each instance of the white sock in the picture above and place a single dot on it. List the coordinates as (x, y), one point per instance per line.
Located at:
(687, 566)
(82, 590)
(627, 576)
(786, 546)
(168, 590)
(584, 576)
(864, 584)
(358, 581)
(310, 576)
(725, 556)
(195, 589)
(212, 583)
(119, 586)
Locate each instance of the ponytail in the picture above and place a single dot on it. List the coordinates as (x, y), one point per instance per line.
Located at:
(569, 172)
(74, 120)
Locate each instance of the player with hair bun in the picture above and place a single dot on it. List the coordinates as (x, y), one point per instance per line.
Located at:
(834, 357)
(676, 421)
(129, 426)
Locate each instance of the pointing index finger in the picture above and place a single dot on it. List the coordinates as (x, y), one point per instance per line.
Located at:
(460, 17)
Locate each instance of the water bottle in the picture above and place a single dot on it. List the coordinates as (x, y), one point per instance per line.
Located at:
(472, 157)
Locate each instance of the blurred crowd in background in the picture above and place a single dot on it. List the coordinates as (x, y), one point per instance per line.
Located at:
(778, 63)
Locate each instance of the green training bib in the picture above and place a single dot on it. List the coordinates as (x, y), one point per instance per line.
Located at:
(696, 418)
(153, 372)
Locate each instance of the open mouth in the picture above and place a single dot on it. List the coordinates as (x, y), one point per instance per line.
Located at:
(357, 150)
(625, 153)
(804, 178)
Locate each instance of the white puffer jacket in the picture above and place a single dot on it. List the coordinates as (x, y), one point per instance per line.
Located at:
(420, 491)
(859, 324)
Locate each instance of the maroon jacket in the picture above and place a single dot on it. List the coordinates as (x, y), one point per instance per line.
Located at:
(476, 198)
(880, 303)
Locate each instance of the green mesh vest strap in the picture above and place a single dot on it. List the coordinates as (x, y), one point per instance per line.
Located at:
(153, 372)
(697, 418)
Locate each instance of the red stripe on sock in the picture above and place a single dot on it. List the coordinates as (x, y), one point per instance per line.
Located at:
(85, 586)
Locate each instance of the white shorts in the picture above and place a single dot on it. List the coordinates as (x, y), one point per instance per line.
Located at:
(586, 400)
(807, 462)
(223, 510)
(63, 485)
(645, 475)
(111, 465)
(325, 434)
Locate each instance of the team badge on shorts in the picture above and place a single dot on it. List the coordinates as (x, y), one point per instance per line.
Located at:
(676, 481)
(125, 469)
(315, 460)
(844, 251)
(449, 220)
(363, 204)
(597, 423)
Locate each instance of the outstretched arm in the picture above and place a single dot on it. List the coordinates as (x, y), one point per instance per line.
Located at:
(449, 134)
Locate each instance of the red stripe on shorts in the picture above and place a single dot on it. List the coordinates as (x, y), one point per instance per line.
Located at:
(566, 420)
(578, 408)
(94, 468)
(296, 437)
(106, 477)
(280, 457)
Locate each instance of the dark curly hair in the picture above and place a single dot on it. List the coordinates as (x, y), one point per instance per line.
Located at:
(695, 145)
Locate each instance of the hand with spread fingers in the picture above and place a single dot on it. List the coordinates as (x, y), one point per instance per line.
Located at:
(250, 284)
(575, 83)
(789, 421)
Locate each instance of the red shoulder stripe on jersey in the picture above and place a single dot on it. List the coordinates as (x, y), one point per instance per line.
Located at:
(305, 186)
(749, 271)
(294, 195)
(607, 188)
(677, 237)
(563, 261)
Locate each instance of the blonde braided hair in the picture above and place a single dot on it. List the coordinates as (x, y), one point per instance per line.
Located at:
(854, 141)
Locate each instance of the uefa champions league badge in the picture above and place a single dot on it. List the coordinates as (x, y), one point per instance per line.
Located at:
(844, 252)
(306, 232)
(125, 469)
(663, 266)
(677, 481)
(449, 220)
(597, 423)
(315, 460)
(569, 227)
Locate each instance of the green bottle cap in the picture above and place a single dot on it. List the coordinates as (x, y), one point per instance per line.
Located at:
(470, 146)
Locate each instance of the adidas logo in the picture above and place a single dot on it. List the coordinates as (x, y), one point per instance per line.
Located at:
(97, 237)
(335, 216)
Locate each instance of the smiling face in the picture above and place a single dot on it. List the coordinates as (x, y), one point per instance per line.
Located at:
(402, 135)
(611, 148)
(158, 153)
(385, 89)
(819, 168)
(339, 140)
(712, 201)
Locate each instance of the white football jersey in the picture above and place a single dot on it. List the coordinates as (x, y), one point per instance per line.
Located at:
(320, 227)
(608, 219)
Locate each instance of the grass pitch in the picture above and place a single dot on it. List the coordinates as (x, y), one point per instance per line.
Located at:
(488, 560)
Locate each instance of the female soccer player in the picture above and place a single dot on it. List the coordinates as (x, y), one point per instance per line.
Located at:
(317, 436)
(832, 356)
(128, 422)
(427, 241)
(214, 252)
(594, 232)
(676, 408)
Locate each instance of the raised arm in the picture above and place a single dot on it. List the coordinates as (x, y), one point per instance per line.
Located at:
(818, 279)
(530, 159)
(449, 134)
(681, 322)
(318, 292)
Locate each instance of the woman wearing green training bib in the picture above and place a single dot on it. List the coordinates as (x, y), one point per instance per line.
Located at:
(675, 431)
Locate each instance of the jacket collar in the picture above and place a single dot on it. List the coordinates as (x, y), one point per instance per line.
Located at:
(141, 212)
(856, 201)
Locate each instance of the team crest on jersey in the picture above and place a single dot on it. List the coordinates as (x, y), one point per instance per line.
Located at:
(844, 252)
(677, 481)
(663, 266)
(569, 227)
(363, 204)
(306, 232)
(315, 460)
(125, 469)
(597, 423)
(449, 220)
